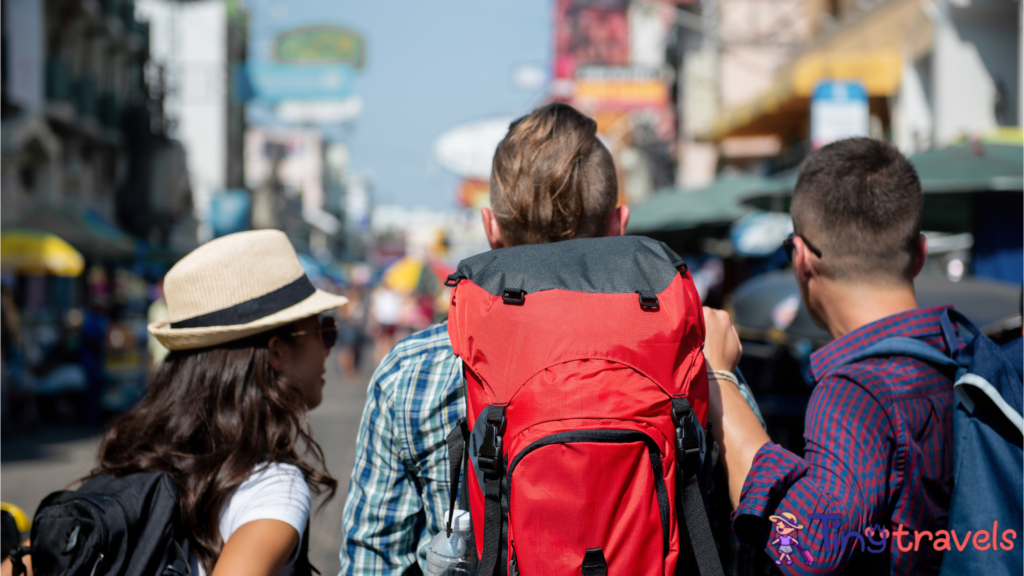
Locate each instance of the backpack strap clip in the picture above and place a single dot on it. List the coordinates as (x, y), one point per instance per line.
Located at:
(648, 299)
(687, 442)
(453, 279)
(515, 296)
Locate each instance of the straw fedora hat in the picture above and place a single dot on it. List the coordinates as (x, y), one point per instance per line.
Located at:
(236, 286)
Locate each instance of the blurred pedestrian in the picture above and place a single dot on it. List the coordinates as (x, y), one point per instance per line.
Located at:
(878, 430)
(352, 332)
(225, 415)
(386, 315)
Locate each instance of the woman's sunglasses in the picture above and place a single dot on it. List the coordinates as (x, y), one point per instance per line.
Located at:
(328, 332)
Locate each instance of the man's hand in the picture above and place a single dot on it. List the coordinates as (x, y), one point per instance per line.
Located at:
(735, 427)
(722, 348)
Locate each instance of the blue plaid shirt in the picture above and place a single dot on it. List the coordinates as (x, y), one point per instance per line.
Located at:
(399, 488)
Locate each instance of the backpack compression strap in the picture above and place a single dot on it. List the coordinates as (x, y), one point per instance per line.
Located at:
(691, 506)
(456, 442)
(491, 464)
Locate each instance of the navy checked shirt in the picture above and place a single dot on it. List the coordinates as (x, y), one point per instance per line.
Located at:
(878, 456)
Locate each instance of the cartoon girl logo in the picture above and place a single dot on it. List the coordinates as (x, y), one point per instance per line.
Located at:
(785, 542)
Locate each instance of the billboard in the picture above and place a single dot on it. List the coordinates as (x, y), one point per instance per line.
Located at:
(320, 45)
(590, 32)
(622, 88)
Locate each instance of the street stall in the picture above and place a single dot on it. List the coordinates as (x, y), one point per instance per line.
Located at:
(38, 340)
(85, 333)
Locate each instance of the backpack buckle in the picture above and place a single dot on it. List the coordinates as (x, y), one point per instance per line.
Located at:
(686, 434)
(648, 299)
(453, 279)
(489, 457)
(514, 296)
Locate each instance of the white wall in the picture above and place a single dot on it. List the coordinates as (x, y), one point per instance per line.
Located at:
(189, 39)
(976, 56)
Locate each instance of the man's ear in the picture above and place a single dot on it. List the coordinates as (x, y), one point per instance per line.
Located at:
(802, 260)
(279, 353)
(921, 255)
(618, 221)
(491, 229)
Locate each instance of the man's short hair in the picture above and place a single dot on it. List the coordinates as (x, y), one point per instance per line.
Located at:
(859, 201)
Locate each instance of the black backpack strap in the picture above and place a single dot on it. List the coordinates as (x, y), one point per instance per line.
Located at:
(303, 567)
(695, 516)
(16, 559)
(491, 464)
(178, 565)
(456, 454)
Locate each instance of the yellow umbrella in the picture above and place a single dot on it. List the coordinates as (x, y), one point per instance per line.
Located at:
(404, 275)
(27, 251)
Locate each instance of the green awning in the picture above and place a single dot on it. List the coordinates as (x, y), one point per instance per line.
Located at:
(977, 167)
(673, 209)
(87, 232)
(967, 168)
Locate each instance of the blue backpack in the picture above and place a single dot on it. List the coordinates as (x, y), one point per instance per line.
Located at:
(988, 457)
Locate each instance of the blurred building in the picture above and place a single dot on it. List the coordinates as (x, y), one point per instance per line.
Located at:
(189, 47)
(446, 236)
(84, 137)
(293, 189)
(933, 72)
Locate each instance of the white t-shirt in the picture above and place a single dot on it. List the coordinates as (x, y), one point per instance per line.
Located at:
(276, 492)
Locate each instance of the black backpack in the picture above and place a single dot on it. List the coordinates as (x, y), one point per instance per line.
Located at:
(124, 526)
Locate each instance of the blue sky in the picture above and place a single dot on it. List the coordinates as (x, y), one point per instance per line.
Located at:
(429, 67)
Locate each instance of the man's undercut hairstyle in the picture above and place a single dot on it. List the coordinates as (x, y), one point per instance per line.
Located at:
(552, 179)
(859, 201)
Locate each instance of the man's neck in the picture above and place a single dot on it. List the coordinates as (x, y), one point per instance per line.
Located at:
(845, 308)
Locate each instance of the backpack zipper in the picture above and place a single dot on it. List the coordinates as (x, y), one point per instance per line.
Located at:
(513, 564)
(96, 565)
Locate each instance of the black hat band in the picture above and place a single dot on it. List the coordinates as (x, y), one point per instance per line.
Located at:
(252, 310)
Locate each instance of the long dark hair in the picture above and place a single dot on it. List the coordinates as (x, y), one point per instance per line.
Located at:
(209, 418)
(552, 179)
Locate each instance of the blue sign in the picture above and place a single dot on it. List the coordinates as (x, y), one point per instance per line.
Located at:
(838, 110)
(271, 81)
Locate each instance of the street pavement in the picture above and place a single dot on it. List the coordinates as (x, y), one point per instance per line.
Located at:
(33, 464)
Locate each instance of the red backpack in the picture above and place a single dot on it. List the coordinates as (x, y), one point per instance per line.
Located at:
(587, 400)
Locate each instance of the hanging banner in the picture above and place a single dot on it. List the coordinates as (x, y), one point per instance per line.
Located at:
(270, 81)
